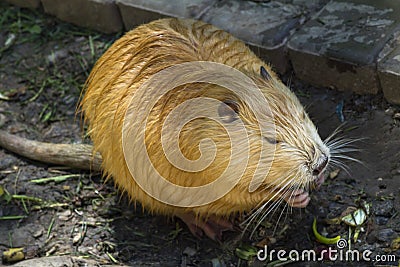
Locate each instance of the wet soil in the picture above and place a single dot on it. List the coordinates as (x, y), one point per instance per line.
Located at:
(43, 65)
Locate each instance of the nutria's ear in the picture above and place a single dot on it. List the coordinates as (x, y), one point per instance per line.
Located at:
(264, 73)
(228, 111)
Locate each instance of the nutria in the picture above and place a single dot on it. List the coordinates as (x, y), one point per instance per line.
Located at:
(295, 158)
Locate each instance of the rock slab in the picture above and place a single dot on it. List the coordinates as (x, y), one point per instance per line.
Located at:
(265, 26)
(340, 46)
(136, 12)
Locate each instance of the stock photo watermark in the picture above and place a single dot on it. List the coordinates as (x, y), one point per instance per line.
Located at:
(341, 253)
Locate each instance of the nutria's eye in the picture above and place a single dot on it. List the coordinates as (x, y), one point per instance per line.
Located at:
(272, 140)
(228, 111)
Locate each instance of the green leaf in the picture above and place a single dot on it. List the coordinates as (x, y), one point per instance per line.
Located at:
(35, 29)
(246, 252)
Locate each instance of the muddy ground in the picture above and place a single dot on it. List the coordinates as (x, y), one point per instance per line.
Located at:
(43, 65)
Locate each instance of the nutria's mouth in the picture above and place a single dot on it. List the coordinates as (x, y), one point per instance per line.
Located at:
(318, 181)
(298, 195)
(315, 184)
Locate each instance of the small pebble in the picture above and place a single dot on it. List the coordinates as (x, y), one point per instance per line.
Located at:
(389, 111)
(380, 220)
(87, 250)
(78, 237)
(38, 233)
(91, 221)
(386, 235)
(54, 57)
(66, 187)
(189, 251)
(383, 208)
(65, 215)
(51, 250)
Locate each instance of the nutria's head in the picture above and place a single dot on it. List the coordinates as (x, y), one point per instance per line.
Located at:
(300, 156)
(290, 150)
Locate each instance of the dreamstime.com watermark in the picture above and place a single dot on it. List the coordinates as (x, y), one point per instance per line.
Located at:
(340, 253)
(137, 122)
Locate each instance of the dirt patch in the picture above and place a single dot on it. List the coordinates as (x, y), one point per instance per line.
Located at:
(43, 66)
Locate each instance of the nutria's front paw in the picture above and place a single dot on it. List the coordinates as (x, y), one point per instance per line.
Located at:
(297, 198)
(212, 227)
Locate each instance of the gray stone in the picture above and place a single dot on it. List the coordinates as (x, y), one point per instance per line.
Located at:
(389, 73)
(383, 208)
(32, 4)
(6, 161)
(136, 12)
(264, 26)
(380, 220)
(101, 15)
(339, 47)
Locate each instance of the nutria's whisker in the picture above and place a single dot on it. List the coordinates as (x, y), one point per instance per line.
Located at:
(341, 156)
(275, 199)
(339, 147)
(339, 164)
(269, 199)
(286, 188)
(345, 150)
(264, 213)
(334, 133)
(286, 204)
(342, 142)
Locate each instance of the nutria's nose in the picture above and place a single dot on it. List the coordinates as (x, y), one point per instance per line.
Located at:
(323, 161)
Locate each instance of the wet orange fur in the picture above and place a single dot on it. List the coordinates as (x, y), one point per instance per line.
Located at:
(150, 48)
